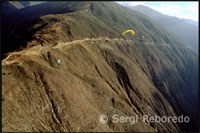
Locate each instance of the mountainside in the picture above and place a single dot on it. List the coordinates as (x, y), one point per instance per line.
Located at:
(99, 22)
(100, 71)
(181, 29)
(10, 6)
(25, 3)
(12, 15)
(191, 22)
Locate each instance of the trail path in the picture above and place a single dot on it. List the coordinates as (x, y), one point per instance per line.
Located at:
(10, 59)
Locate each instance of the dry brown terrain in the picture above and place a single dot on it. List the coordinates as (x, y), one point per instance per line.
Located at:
(95, 77)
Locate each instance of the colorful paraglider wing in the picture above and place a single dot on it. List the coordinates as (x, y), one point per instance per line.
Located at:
(123, 33)
(58, 61)
(131, 31)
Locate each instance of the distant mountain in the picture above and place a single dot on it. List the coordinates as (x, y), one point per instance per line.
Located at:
(191, 22)
(30, 3)
(100, 71)
(26, 14)
(25, 3)
(180, 28)
(10, 6)
(40, 9)
(11, 14)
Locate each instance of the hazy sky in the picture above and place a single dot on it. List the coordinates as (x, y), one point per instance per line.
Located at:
(184, 9)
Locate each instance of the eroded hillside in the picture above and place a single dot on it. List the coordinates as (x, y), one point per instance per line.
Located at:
(95, 76)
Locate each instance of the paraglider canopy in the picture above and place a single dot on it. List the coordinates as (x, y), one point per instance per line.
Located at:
(126, 31)
(58, 61)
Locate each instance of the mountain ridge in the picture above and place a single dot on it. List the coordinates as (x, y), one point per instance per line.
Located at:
(191, 22)
(179, 27)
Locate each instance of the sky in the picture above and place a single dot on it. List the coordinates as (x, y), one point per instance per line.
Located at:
(183, 9)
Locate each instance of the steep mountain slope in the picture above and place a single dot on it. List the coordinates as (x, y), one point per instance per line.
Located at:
(11, 13)
(10, 6)
(111, 22)
(45, 8)
(183, 30)
(100, 72)
(28, 14)
(191, 22)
